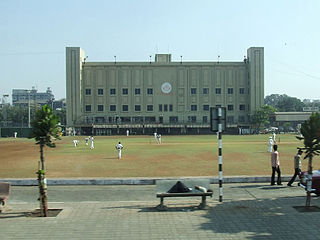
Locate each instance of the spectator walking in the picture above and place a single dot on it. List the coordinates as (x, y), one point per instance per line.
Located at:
(275, 163)
(297, 167)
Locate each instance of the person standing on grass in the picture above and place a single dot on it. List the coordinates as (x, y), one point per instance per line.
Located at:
(274, 136)
(297, 167)
(119, 147)
(75, 142)
(270, 144)
(159, 138)
(155, 136)
(92, 140)
(275, 163)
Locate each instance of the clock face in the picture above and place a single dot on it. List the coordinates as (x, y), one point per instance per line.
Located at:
(166, 87)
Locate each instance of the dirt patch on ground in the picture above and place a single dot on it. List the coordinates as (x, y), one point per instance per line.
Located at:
(19, 159)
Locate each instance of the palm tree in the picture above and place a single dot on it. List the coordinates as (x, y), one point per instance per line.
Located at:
(310, 131)
(45, 128)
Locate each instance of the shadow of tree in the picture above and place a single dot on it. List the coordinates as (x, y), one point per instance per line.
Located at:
(272, 218)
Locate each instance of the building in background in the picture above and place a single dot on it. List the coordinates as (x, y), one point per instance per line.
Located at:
(24, 97)
(163, 96)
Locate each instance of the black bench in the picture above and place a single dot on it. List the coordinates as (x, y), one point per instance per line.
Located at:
(4, 193)
(164, 185)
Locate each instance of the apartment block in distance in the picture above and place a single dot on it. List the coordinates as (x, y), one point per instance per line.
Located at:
(24, 97)
(105, 98)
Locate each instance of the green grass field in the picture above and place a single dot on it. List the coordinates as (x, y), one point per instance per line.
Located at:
(142, 157)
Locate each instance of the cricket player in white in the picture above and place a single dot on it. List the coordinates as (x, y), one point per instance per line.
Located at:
(159, 138)
(119, 148)
(75, 142)
(274, 137)
(155, 136)
(91, 139)
(270, 144)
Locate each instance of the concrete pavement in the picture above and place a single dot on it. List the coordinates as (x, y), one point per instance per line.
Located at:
(248, 211)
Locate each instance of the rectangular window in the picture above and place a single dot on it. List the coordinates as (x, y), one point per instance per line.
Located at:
(205, 119)
(125, 119)
(173, 119)
(241, 119)
(160, 107)
(149, 91)
(112, 91)
(88, 91)
(100, 108)
(88, 108)
(193, 91)
(230, 119)
(205, 107)
(137, 119)
(170, 108)
(193, 107)
(230, 107)
(192, 119)
(165, 107)
(205, 91)
(125, 108)
(125, 91)
(149, 108)
(113, 108)
(150, 119)
(137, 108)
(218, 90)
(241, 90)
(242, 107)
(230, 90)
(100, 91)
(137, 91)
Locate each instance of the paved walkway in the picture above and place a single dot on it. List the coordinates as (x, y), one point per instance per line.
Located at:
(248, 211)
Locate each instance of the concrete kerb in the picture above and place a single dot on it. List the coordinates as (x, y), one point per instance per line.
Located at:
(134, 181)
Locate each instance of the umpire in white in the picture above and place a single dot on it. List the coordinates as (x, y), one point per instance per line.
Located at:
(119, 148)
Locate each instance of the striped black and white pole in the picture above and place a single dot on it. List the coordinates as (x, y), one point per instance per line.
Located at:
(220, 153)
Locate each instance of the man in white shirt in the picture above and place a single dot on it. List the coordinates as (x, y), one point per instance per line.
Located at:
(119, 147)
(274, 137)
(270, 144)
(91, 139)
(297, 167)
(75, 142)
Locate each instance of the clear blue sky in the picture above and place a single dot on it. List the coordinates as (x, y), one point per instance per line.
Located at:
(34, 34)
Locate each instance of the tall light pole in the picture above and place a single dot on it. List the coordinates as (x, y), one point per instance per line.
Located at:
(29, 109)
(5, 109)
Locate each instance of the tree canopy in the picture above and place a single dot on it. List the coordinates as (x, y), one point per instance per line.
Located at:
(261, 117)
(45, 127)
(284, 103)
(310, 131)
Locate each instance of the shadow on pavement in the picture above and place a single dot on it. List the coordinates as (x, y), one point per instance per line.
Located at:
(272, 218)
(264, 187)
(14, 215)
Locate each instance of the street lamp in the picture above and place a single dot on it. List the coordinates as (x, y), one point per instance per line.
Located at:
(5, 108)
(29, 109)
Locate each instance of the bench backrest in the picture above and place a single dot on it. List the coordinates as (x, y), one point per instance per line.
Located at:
(4, 189)
(163, 186)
